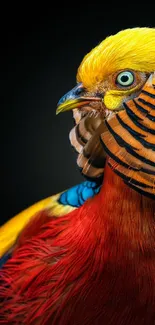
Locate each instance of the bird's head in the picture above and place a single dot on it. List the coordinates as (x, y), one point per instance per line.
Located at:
(113, 72)
(114, 109)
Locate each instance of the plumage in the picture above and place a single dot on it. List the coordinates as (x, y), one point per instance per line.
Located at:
(87, 255)
(57, 205)
(92, 266)
(85, 138)
(133, 146)
(129, 49)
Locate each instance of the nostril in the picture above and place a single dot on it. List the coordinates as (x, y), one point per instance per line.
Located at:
(79, 91)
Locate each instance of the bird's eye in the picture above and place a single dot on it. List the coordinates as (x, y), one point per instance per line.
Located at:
(125, 79)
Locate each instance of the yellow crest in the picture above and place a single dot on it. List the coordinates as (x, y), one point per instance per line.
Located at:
(129, 49)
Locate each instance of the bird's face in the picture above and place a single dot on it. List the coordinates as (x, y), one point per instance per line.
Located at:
(104, 98)
(112, 73)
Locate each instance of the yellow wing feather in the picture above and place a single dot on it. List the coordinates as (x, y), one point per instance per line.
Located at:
(10, 231)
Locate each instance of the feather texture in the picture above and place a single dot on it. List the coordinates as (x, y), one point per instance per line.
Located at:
(131, 48)
(85, 138)
(58, 205)
(94, 266)
(129, 139)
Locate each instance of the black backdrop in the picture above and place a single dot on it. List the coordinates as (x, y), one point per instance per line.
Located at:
(41, 50)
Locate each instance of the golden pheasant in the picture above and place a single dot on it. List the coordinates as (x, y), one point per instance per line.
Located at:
(87, 255)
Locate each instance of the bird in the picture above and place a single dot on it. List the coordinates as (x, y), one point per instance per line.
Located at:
(87, 255)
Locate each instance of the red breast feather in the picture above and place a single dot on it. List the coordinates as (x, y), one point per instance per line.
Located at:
(93, 266)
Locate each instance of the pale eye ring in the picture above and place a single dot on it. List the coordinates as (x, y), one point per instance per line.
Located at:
(125, 79)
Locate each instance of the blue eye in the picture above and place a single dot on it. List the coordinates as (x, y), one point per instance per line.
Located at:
(125, 78)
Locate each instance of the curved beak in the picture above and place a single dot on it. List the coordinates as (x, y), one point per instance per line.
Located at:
(75, 99)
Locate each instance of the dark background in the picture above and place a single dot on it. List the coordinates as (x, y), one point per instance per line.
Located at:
(41, 50)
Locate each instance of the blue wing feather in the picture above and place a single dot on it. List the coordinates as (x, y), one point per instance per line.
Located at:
(77, 195)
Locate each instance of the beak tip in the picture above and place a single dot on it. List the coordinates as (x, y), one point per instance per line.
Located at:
(58, 110)
(63, 108)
